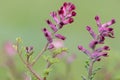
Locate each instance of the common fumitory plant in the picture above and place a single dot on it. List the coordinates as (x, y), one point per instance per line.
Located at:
(54, 42)
(55, 45)
(96, 53)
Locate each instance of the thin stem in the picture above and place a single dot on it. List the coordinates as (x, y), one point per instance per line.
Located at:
(27, 64)
(19, 53)
(47, 66)
(90, 70)
(39, 55)
(33, 72)
(28, 57)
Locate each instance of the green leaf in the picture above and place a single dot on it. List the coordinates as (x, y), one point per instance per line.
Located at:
(83, 78)
(19, 40)
(46, 72)
(46, 57)
(87, 64)
(53, 60)
(60, 50)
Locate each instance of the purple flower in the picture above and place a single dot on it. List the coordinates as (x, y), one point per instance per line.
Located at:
(68, 21)
(97, 18)
(54, 15)
(60, 36)
(48, 35)
(62, 17)
(103, 31)
(51, 46)
(92, 33)
(96, 56)
(81, 48)
(52, 26)
(66, 13)
(29, 49)
(104, 48)
(101, 39)
(93, 44)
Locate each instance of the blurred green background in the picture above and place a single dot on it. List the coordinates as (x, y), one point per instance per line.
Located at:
(26, 18)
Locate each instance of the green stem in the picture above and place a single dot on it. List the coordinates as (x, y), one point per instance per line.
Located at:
(90, 69)
(27, 64)
(39, 55)
(47, 66)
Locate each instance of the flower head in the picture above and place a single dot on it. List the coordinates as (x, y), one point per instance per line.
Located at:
(61, 17)
(103, 31)
(29, 49)
(64, 15)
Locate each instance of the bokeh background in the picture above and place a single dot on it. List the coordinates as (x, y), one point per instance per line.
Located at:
(26, 18)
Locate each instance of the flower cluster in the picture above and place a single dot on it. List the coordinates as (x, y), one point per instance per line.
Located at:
(104, 31)
(29, 49)
(62, 17)
(55, 45)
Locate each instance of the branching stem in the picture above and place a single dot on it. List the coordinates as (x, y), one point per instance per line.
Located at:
(27, 64)
(40, 54)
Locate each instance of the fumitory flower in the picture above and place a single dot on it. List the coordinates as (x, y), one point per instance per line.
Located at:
(29, 49)
(96, 53)
(104, 31)
(61, 17)
(48, 35)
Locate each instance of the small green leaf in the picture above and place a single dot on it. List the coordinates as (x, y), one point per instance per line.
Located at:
(60, 50)
(46, 57)
(83, 78)
(87, 64)
(53, 60)
(46, 72)
(19, 40)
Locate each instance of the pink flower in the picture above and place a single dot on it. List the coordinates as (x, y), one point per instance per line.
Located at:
(29, 49)
(92, 33)
(52, 26)
(97, 55)
(9, 49)
(59, 36)
(61, 17)
(48, 35)
(93, 44)
(71, 58)
(81, 48)
(104, 29)
(58, 43)
(104, 48)
(64, 15)
(54, 15)
(51, 46)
